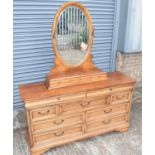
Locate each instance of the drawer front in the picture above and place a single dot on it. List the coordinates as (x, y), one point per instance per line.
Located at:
(101, 113)
(121, 89)
(57, 123)
(44, 113)
(72, 97)
(73, 107)
(121, 97)
(66, 82)
(98, 93)
(106, 123)
(56, 99)
(59, 134)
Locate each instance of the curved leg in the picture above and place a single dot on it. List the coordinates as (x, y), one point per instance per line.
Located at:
(122, 129)
(39, 152)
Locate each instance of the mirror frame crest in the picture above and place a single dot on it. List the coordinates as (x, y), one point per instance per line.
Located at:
(86, 64)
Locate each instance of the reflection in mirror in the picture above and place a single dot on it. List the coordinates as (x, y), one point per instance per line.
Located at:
(72, 35)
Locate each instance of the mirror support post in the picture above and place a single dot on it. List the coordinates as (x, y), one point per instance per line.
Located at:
(93, 33)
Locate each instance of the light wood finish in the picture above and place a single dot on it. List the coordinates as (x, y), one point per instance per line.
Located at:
(120, 97)
(64, 115)
(109, 111)
(72, 78)
(106, 123)
(79, 106)
(56, 123)
(58, 134)
(43, 113)
(36, 92)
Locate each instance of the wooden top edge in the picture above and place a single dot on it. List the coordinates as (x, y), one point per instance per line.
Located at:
(38, 90)
(75, 74)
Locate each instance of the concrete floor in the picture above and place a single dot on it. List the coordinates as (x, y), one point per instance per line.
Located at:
(115, 143)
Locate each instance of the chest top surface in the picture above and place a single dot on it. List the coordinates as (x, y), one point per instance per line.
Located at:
(38, 90)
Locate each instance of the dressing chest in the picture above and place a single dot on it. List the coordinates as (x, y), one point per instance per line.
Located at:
(68, 114)
(77, 100)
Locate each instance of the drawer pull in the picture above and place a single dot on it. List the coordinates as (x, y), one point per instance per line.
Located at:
(120, 97)
(107, 121)
(58, 98)
(108, 111)
(59, 122)
(85, 104)
(44, 112)
(59, 134)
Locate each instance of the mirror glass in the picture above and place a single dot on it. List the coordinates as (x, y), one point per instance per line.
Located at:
(72, 35)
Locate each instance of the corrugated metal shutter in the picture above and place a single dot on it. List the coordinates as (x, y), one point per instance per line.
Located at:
(33, 53)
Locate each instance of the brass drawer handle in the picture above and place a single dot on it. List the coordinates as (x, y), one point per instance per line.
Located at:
(108, 111)
(59, 122)
(120, 97)
(44, 112)
(58, 98)
(58, 134)
(85, 104)
(106, 121)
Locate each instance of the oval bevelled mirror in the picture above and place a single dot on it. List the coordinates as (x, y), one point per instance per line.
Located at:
(72, 32)
(72, 35)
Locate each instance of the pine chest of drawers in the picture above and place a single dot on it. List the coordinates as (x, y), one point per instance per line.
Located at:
(63, 115)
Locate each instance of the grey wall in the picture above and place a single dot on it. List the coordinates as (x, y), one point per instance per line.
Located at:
(130, 26)
(33, 53)
(122, 24)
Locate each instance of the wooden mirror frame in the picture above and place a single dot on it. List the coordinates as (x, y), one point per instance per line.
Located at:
(86, 63)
